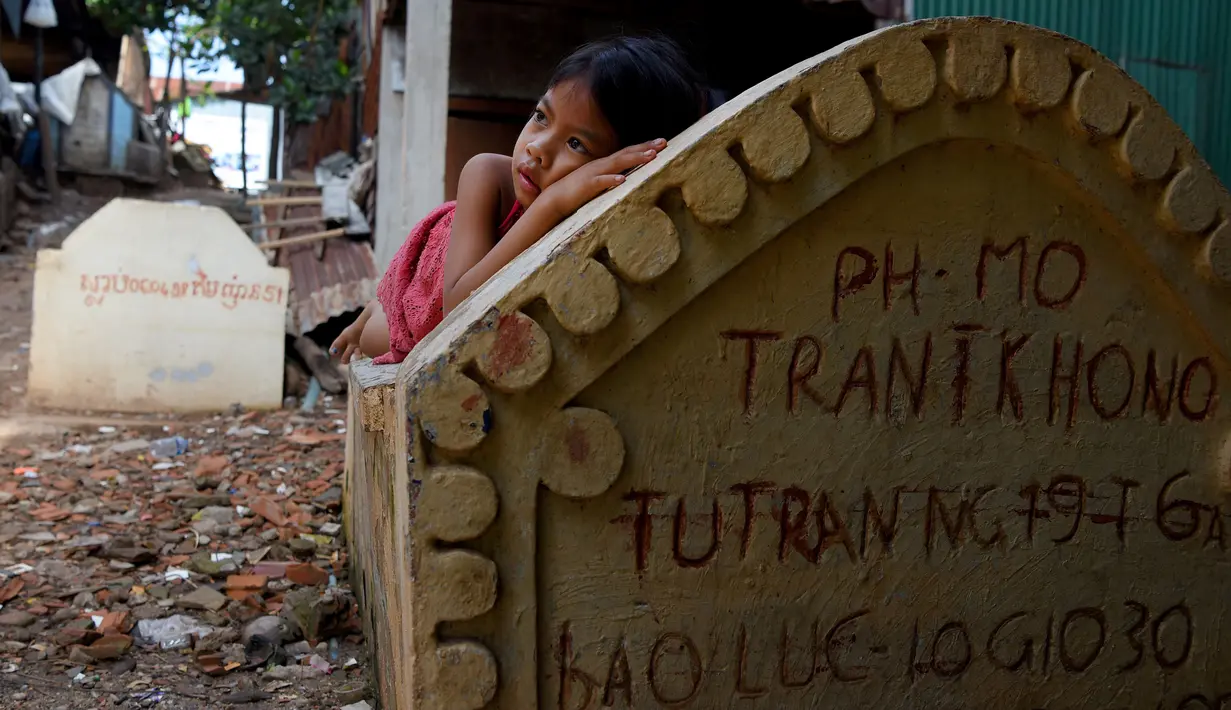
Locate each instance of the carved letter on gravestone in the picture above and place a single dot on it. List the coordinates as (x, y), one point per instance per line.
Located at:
(899, 382)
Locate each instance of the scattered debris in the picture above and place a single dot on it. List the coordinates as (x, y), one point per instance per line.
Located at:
(220, 577)
(240, 697)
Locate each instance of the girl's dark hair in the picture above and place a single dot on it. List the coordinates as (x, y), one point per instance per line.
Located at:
(645, 86)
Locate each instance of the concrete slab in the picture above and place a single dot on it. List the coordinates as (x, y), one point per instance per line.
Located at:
(154, 307)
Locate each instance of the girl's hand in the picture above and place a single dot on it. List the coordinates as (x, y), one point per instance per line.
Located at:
(347, 344)
(596, 177)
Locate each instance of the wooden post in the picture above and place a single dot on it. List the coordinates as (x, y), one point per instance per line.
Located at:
(243, 143)
(275, 143)
(183, 96)
(164, 121)
(426, 111)
(391, 230)
(49, 157)
(44, 124)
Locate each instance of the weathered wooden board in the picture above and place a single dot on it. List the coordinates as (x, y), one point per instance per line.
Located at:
(368, 509)
(897, 382)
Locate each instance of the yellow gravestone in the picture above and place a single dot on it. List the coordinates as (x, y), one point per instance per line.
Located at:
(897, 383)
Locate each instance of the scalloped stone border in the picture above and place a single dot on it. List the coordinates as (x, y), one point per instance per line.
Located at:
(764, 137)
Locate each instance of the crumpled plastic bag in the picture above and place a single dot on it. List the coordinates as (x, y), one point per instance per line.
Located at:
(170, 633)
(8, 97)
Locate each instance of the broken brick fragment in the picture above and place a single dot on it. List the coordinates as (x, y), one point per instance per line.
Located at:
(114, 622)
(109, 647)
(247, 581)
(269, 510)
(307, 574)
(271, 569)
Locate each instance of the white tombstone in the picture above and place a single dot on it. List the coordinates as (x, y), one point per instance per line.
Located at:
(151, 306)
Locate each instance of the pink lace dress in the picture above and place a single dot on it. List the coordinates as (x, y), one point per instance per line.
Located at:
(412, 289)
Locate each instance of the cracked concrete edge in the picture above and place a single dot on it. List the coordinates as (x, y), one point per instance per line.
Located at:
(764, 136)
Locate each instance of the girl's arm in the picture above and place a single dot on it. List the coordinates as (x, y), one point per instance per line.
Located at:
(475, 222)
(538, 220)
(479, 256)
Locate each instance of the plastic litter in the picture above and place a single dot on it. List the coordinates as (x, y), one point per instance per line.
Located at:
(18, 569)
(246, 432)
(314, 393)
(320, 664)
(41, 14)
(170, 633)
(169, 447)
(263, 638)
(149, 697)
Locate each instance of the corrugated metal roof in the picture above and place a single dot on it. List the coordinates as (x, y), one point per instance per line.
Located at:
(342, 278)
(1177, 49)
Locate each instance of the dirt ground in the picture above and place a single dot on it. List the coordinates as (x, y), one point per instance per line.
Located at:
(101, 542)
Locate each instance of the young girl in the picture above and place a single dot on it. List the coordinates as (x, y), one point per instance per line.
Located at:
(606, 111)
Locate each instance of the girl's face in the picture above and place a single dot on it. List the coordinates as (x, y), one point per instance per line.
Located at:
(565, 132)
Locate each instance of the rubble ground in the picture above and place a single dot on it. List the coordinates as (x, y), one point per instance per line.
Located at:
(101, 544)
(214, 578)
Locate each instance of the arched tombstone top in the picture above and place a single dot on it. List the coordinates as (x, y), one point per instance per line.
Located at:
(526, 382)
(148, 223)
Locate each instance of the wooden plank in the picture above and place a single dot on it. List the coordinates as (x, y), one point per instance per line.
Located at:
(124, 175)
(299, 222)
(305, 239)
(288, 201)
(321, 365)
(365, 374)
(291, 184)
